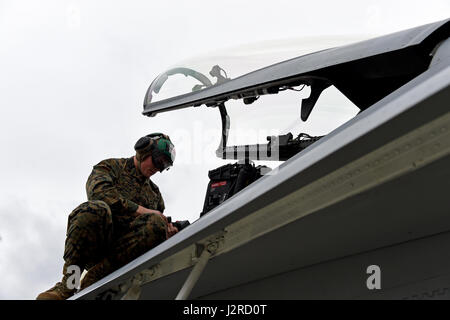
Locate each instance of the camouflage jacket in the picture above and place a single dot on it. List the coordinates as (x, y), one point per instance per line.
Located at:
(123, 188)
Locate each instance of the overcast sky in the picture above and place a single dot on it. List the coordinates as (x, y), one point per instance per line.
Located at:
(72, 82)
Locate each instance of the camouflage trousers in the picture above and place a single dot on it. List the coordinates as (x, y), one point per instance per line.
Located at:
(91, 240)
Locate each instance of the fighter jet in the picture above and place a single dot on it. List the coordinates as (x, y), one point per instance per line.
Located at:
(361, 212)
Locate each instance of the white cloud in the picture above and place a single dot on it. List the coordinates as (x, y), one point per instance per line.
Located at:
(31, 248)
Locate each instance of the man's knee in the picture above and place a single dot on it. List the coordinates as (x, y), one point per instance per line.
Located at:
(151, 219)
(96, 206)
(89, 231)
(91, 211)
(151, 226)
(146, 231)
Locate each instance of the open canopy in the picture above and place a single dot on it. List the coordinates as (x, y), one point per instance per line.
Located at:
(364, 72)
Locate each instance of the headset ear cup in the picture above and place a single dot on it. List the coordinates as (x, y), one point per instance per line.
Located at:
(142, 143)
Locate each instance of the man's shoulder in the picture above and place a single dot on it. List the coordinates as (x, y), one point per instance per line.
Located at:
(115, 164)
(113, 161)
(153, 186)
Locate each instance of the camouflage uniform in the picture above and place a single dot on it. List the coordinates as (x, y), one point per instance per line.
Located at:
(105, 233)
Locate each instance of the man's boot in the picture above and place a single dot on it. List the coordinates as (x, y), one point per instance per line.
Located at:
(60, 291)
(97, 272)
(89, 232)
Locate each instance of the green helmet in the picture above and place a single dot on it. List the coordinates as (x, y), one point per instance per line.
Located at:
(159, 146)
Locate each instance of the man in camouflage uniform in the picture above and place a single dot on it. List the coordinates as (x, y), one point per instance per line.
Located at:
(122, 218)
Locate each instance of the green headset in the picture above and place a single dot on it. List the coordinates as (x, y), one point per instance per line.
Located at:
(159, 146)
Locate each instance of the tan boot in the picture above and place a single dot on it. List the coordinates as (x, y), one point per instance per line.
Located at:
(60, 291)
(97, 272)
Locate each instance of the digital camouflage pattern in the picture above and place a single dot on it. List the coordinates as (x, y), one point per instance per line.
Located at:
(91, 245)
(122, 188)
(105, 232)
(89, 234)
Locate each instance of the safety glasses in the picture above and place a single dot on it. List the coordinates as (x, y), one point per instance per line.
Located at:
(161, 162)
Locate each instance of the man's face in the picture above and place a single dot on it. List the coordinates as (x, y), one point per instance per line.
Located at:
(148, 168)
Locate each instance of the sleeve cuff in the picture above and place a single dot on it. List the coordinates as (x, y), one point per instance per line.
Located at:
(132, 207)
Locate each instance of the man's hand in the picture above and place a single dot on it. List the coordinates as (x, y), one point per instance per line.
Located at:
(171, 230)
(142, 210)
